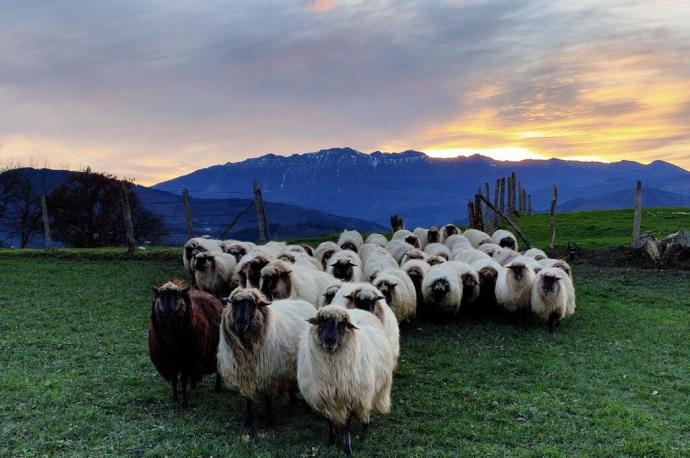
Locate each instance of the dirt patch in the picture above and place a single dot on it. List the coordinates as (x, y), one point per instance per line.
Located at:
(615, 257)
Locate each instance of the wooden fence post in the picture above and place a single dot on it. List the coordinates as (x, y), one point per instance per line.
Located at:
(46, 223)
(529, 204)
(513, 195)
(264, 234)
(496, 191)
(128, 219)
(502, 196)
(552, 221)
(637, 214)
(470, 213)
(188, 213)
(479, 224)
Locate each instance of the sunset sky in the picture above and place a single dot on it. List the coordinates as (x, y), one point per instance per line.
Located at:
(155, 89)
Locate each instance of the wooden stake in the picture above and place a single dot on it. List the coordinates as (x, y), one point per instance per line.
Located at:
(188, 213)
(128, 219)
(496, 191)
(470, 213)
(513, 195)
(502, 196)
(637, 214)
(479, 223)
(46, 223)
(264, 234)
(552, 219)
(529, 204)
(510, 222)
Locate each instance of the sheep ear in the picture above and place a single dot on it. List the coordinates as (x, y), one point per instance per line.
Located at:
(263, 303)
(155, 290)
(349, 263)
(350, 325)
(393, 285)
(286, 273)
(350, 297)
(312, 320)
(378, 298)
(184, 292)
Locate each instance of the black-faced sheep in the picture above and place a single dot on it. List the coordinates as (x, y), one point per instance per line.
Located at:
(553, 297)
(514, 286)
(345, 265)
(477, 237)
(535, 253)
(257, 350)
(214, 272)
(237, 248)
(447, 231)
(399, 291)
(559, 263)
(344, 369)
(434, 260)
(407, 236)
(505, 239)
(249, 267)
(350, 240)
(281, 280)
(183, 335)
(324, 251)
(488, 271)
(197, 245)
(442, 291)
(417, 269)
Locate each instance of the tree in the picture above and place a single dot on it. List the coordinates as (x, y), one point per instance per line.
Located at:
(86, 211)
(20, 205)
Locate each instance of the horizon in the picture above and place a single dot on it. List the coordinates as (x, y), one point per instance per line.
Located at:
(153, 91)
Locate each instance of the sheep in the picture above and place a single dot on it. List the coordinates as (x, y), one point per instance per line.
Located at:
(183, 335)
(469, 256)
(397, 249)
(399, 291)
(330, 292)
(376, 239)
(505, 239)
(491, 249)
(505, 256)
(477, 237)
(414, 253)
(346, 266)
(376, 263)
(274, 248)
(514, 286)
(196, 245)
(434, 260)
(237, 248)
(366, 297)
(417, 269)
(282, 280)
(488, 271)
(553, 297)
(560, 263)
(344, 369)
(324, 251)
(257, 349)
(535, 253)
(295, 249)
(369, 249)
(457, 241)
(427, 236)
(442, 290)
(300, 259)
(437, 249)
(350, 240)
(249, 267)
(469, 280)
(531, 262)
(406, 236)
(214, 272)
(447, 231)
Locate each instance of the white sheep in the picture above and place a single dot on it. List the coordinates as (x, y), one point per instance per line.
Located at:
(236, 248)
(469, 280)
(249, 267)
(427, 236)
(505, 239)
(553, 297)
(398, 249)
(488, 271)
(442, 290)
(491, 249)
(257, 350)
(560, 263)
(376, 239)
(477, 237)
(368, 249)
(324, 251)
(531, 262)
(457, 241)
(344, 369)
(377, 262)
(535, 253)
(345, 265)
(330, 292)
(406, 236)
(366, 297)
(417, 269)
(469, 256)
(214, 272)
(282, 280)
(447, 231)
(505, 256)
(438, 249)
(514, 286)
(399, 291)
(414, 254)
(350, 240)
(302, 259)
(197, 245)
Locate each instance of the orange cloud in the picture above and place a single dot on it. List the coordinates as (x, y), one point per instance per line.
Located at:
(319, 6)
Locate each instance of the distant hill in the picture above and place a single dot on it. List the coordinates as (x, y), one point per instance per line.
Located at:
(211, 216)
(423, 190)
(624, 198)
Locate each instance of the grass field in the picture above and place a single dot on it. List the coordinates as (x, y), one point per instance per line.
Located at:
(75, 378)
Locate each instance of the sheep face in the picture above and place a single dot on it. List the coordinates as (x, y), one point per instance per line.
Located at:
(518, 271)
(330, 293)
(244, 307)
(237, 251)
(482, 242)
(433, 260)
(507, 242)
(549, 284)
(169, 301)
(450, 230)
(276, 284)
(470, 287)
(203, 261)
(251, 273)
(363, 300)
(347, 246)
(439, 289)
(412, 240)
(432, 235)
(387, 288)
(327, 256)
(331, 331)
(342, 269)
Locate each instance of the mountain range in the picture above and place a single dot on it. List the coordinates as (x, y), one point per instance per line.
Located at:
(426, 190)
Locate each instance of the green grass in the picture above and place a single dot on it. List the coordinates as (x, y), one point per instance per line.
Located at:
(603, 228)
(75, 378)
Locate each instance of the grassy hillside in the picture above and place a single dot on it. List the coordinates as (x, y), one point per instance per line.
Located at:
(76, 379)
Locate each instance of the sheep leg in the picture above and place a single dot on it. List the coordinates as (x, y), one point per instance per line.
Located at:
(176, 398)
(218, 383)
(268, 402)
(347, 445)
(184, 380)
(249, 415)
(332, 432)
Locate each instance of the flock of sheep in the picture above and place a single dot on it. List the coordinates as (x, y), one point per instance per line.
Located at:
(270, 319)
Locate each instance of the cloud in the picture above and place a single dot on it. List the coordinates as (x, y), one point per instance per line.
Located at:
(155, 89)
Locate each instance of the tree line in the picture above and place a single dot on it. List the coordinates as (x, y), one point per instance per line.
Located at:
(85, 209)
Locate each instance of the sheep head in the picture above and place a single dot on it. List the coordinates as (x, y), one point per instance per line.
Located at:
(327, 256)
(364, 299)
(204, 261)
(412, 240)
(508, 242)
(330, 293)
(439, 289)
(342, 269)
(549, 283)
(243, 309)
(275, 280)
(450, 230)
(331, 328)
(433, 260)
(171, 299)
(387, 288)
(235, 250)
(251, 272)
(348, 245)
(432, 235)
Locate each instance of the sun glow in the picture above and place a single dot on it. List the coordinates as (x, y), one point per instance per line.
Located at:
(508, 153)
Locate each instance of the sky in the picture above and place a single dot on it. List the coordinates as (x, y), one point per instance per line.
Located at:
(153, 89)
